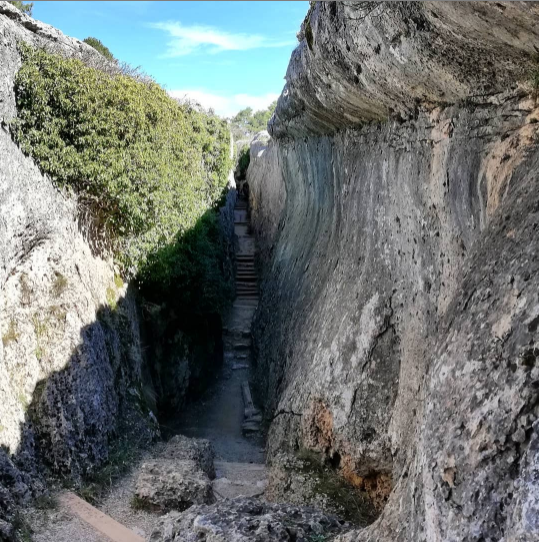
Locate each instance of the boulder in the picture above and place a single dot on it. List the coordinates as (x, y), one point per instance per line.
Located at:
(247, 520)
(170, 484)
(198, 450)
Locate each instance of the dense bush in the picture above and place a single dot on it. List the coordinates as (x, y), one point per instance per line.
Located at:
(98, 46)
(244, 158)
(148, 167)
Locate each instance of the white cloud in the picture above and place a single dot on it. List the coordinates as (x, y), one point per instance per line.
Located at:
(189, 39)
(226, 106)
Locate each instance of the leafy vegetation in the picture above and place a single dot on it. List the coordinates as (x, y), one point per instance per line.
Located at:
(148, 168)
(247, 123)
(98, 46)
(244, 158)
(25, 7)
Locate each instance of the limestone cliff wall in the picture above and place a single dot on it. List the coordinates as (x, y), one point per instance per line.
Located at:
(72, 373)
(396, 211)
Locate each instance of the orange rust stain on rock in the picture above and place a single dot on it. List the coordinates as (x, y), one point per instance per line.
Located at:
(318, 427)
(318, 436)
(378, 485)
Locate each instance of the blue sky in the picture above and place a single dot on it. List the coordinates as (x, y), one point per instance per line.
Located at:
(226, 55)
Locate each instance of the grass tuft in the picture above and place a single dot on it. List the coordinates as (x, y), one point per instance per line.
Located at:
(11, 334)
(59, 285)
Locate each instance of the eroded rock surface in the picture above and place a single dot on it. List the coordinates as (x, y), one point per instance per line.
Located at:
(366, 61)
(303, 480)
(200, 451)
(178, 477)
(71, 364)
(247, 520)
(397, 211)
(172, 484)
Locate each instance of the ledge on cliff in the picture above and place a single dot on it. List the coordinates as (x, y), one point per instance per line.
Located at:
(359, 62)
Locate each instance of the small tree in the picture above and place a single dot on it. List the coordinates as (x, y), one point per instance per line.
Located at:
(99, 47)
(25, 7)
(248, 122)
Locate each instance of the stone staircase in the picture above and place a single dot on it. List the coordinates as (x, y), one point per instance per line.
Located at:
(237, 332)
(235, 478)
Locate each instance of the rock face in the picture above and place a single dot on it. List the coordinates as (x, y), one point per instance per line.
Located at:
(364, 61)
(304, 481)
(396, 210)
(73, 377)
(72, 373)
(247, 520)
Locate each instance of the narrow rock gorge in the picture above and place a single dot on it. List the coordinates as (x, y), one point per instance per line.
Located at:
(395, 205)
(369, 327)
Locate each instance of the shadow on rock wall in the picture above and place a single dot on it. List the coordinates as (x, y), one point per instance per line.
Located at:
(103, 403)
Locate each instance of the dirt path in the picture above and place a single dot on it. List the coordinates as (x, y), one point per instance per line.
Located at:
(224, 415)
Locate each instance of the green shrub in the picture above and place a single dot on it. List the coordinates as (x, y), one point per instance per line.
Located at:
(244, 159)
(247, 122)
(98, 46)
(148, 168)
(25, 7)
(190, 271)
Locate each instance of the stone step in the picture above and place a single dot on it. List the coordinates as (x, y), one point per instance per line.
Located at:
(240, 347)
(231, 332)
(114, 531)
(239, 479)
(240, 366)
